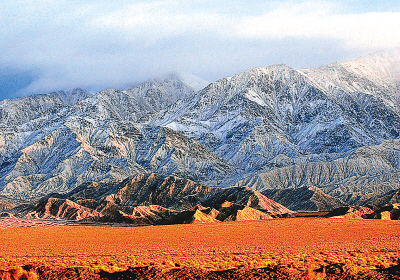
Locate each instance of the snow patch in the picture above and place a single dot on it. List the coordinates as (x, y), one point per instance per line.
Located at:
(253, 96)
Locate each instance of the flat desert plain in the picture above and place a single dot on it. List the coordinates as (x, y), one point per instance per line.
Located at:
(292, 248)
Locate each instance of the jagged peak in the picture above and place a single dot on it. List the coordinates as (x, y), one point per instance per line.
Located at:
(273, 71)
(71, 97)
(244, 84)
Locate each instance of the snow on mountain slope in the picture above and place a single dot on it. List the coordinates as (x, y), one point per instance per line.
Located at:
(139, 101)
(377, 75)
(255, 116)
(58, 141)
(160, 93)
(85, 149)
(18, 111)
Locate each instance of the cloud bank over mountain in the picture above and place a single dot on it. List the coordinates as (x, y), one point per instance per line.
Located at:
(97, 44)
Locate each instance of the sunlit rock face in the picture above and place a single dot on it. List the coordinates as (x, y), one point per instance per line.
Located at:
(154, 199)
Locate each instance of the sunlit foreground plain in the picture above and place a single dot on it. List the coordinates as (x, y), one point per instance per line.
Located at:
(293, 248)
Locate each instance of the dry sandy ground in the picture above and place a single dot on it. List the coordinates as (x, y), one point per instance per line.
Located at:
(306, 248)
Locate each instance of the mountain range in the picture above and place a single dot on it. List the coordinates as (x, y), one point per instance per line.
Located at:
(153, 199)
(310, 139)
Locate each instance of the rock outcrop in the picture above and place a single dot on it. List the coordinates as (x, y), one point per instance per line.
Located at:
(55, 208)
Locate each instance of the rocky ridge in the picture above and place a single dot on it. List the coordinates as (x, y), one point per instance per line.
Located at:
(154, 199)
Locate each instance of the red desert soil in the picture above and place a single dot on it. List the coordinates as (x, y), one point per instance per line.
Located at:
(300, 245)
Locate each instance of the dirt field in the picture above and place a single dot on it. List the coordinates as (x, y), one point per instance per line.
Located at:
(302, 248)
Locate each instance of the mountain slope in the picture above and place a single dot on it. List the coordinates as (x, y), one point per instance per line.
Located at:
(255, 117)
(304, 199)
(364, 173)
(85, 149)
(376, 74)
(61, 140)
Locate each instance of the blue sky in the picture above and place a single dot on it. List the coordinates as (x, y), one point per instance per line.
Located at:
(49, 45)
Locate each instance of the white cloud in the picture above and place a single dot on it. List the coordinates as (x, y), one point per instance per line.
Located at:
(365, 30)
(155, 21)
(97, 44)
